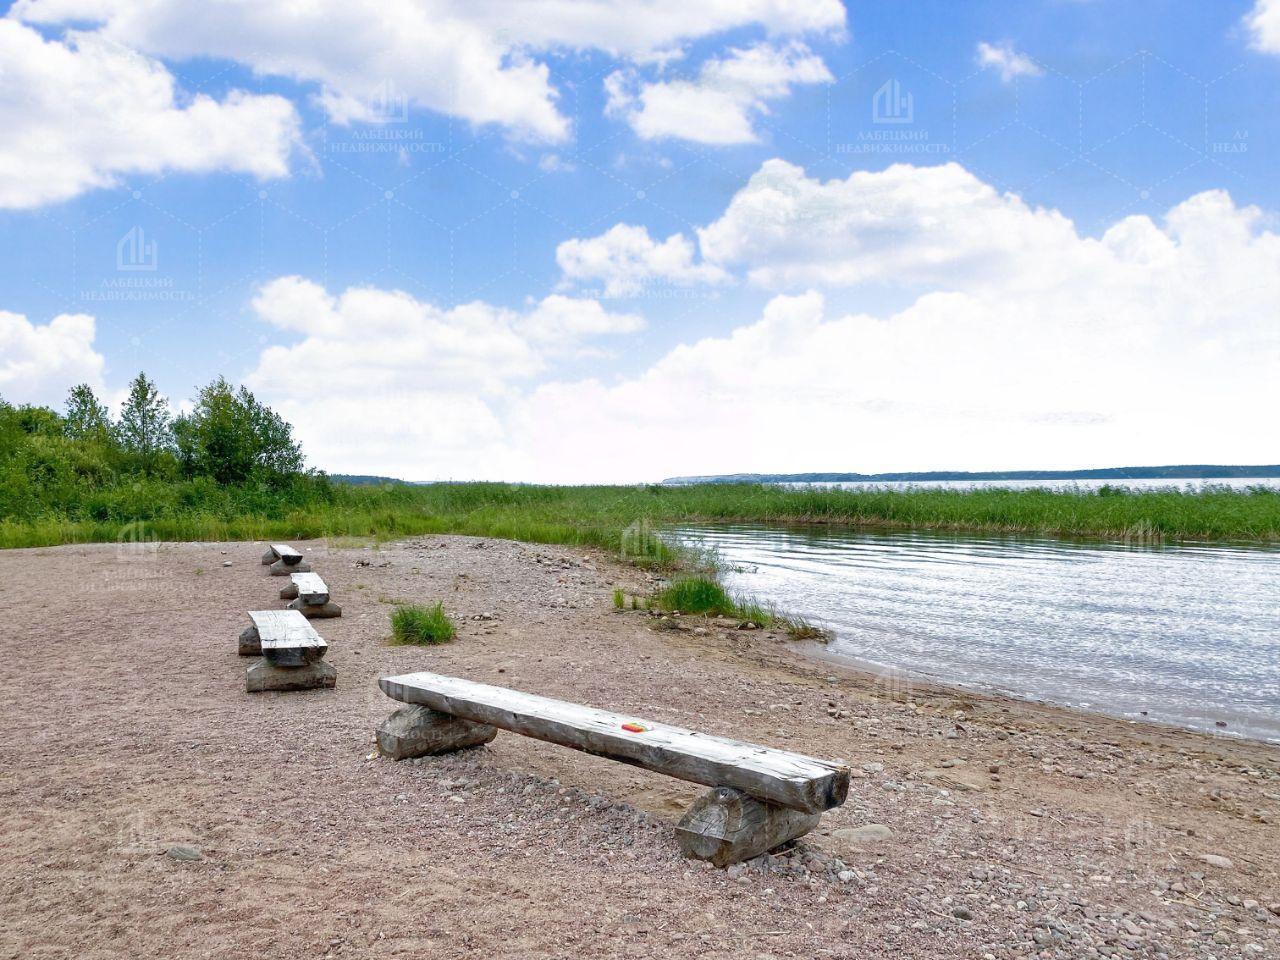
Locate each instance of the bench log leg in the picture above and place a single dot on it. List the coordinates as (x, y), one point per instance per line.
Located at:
(727, 826)
(250, 642)
(265, 675)
(269, 557)
(282, 569)
(290, 592)
(313, 611)
(417, 731)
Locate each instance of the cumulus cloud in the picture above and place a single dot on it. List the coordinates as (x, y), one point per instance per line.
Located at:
(380, 377)
(905, 225)
(1263, 23)
(720, 105)
(39, 364)
(81, 113)
(1010, 64)
(626, 259)
(472, 59)
(1028, 344)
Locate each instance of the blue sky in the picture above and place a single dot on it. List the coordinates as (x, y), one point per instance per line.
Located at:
(507, 241)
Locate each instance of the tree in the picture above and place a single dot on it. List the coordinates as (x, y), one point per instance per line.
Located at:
(233, 438)
(145, 427)
(87, 417)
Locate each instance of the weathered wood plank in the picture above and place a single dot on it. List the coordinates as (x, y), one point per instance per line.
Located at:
(316, 611)
(727, 826)
(282, 568)
(308, 587)
(264, 675)
(420, 731)
(286, 638)
(790, 779)
(286, 553)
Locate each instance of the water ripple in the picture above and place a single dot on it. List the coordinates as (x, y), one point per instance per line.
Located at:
(1182, 634)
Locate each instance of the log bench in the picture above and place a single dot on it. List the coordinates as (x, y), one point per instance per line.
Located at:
(292, 653)
(283, 560)
(760, 797)
(310, 596)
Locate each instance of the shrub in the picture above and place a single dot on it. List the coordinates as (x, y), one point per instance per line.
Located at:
(421, 626)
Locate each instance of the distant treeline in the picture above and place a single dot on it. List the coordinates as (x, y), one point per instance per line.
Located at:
(1192, 471)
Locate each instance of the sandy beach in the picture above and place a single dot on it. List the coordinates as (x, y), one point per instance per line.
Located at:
(976, 826)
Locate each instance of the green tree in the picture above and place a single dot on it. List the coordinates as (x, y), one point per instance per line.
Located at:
(87, 417)
(145, 428)
(233, 438)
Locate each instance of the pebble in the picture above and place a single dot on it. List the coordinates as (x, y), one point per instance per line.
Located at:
(1217, 860)
(185, 854)
(850, 840)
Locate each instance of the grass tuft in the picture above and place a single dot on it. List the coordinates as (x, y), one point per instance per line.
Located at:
(421, 626)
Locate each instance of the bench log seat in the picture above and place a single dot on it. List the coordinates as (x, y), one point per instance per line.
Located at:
(291, 650)
(310, 596)
(761, 797)
(284, 560)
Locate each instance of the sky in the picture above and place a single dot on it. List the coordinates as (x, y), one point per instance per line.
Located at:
(616, 241)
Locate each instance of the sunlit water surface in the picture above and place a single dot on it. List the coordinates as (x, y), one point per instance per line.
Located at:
(1181, 634)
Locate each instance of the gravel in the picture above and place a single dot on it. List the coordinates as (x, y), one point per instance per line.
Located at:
(1010, 830)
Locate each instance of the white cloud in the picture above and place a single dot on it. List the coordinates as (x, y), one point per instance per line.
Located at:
(1010, 64)
(1263, 22)
(720, 105)
(902, 225)
(39, 364)
(626, 260)
(1028, 345)
(472, 59)
(82, 113)
(383, 378)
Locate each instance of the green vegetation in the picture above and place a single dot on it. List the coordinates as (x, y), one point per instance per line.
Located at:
(230, 470)
(421, 626)
(698, 595)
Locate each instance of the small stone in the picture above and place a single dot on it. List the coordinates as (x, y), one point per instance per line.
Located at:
(226, 563)
(961, 913)
(737, 871)
(851, 840)
(185, 854)
(846, 876)
(1217, 860)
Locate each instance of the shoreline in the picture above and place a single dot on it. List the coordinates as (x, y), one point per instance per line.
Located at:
(817, 650)
(976, 824)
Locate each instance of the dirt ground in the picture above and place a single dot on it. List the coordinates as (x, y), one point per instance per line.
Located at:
(1005, 829)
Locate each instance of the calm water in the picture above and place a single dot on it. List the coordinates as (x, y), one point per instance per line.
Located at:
(1154, 483)
(1189, 634)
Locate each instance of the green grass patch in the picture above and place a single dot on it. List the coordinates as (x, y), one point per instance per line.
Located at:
(626, 520)
(421, 626)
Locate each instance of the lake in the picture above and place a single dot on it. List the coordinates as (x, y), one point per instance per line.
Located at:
(1188, 635)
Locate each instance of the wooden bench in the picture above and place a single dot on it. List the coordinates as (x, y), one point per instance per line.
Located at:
(310, 596)
(761, 797)
(291, 650)
(283, 559)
